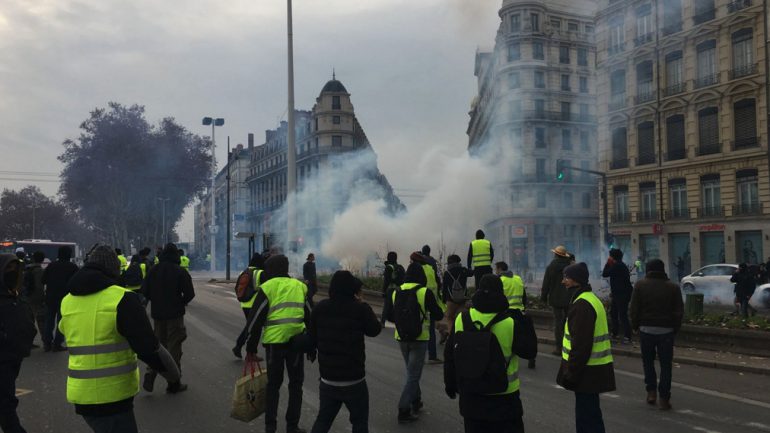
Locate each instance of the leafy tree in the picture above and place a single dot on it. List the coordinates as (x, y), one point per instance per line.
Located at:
(20, 210)
(121, 167)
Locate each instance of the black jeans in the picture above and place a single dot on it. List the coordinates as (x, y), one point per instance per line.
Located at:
(478, 272)
(663, 345)
(123, 422)
(484, 426)
(244, 332)
(278, 357)
(559, 319)
(9, 421)
(354, 397)
(619, 316)
(51, 335)
(588, 413)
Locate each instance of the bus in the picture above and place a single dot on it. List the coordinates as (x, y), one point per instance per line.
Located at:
(48, 247)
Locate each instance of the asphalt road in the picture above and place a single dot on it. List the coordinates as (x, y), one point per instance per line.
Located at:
(705, 400)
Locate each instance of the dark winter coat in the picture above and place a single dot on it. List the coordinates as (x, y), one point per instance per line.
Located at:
(337, 327)
(455, 271)
(309, 275)
(392, 275)
(553, 291)
(574, 374)
(620, 279)
(131, 322)
(33, 291)
(656, 301)
(56, 277)
(745, 284)
(17, 329)
(168, 287)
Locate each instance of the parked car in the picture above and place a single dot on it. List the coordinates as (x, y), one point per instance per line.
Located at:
(714, 282)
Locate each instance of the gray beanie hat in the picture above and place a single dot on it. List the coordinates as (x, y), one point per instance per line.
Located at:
(105, 258)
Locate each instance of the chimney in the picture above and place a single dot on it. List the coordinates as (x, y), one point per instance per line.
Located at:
(251, 141)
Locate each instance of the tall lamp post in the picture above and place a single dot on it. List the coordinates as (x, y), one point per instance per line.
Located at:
(291, 144)
(229, 214)
(163, 217)
(214, 122)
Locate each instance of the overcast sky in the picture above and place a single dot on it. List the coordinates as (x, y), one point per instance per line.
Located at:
(407, 64)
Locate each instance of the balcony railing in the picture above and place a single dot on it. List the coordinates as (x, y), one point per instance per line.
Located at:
(709, 148)
(616, 48)
(646, 158)
(643, 39)
(743, 70)
(617, 164)
(743, 209)
(558, 116)
(744, 143)
(678, 214)
(621, 217)
(675, 89)
(647, 215)
(645, 93)
(676, 154)
(704, 16)
(737, 5)
(672, 28)
(617, 101)
(706, 80)
(711, 211)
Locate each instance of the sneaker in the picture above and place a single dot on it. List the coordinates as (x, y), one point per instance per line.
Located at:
(237, 352)
(175, 388)
(406, 416)
(417, 406)
(148, 384)
(435, 361)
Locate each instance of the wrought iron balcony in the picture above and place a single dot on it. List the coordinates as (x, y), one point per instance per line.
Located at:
(704, 16)
(743, 70)
(616, 164)
(621, 217)
(672, 28)
(676, 154)
(706, 80)
(675, 89)
(678, 214)
(643, 39)
(744, 209)
(647, 215)
(645, 158)
(709, 148)
(616, 48)
(645, 96)
(737, 5)
(711, 211)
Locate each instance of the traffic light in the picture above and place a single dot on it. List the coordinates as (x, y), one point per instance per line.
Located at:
(560, 169)
(610, 239)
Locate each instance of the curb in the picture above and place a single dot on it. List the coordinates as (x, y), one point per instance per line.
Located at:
(683, 360)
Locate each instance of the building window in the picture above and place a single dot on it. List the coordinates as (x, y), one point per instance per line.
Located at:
(541, 203)
(537, 51)
(513, 80)
(585, 165)
(555, 24)
(583, 140)
(708, 131)
(516, 108)
(582, 57)
(621, 204)
(535, 21)
(567, 200)
(336, 103)
(745, 124)
(583, 84)
(645, 143)
(540, 137)
(336, 120)
(565, 83)
(589, 28)
(566, 111)
(704, 11)
(514, 51)
(584, 113)
(617, 36)
(674, 73)
(648, 203)
(566, 139)
(540, 79)
(672, 16)
(618, 89)
(643, 24)
(539, 108)
(748, 192)
(586, 201)
(515, 23)
(645, 91)
(564, 54)
(675, 138)
(707, 64)
(711, 192)
(743, 53)
(336, 141)
(540, 169)
(572, 26)
(619, 149)
(678, 191)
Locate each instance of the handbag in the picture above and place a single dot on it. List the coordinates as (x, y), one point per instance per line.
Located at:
(250, 393)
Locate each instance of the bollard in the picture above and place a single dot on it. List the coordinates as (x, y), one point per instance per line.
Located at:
(693, 304)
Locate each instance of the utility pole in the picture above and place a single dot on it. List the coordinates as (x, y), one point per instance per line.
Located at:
(34, 205)
(561, 167)
(229, 215)
(163, 217)
(214, 122)
(291, 143)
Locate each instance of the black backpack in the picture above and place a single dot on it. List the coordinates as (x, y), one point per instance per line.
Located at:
(480, 365)
(133, 275)
(407, 314)
(244, 285)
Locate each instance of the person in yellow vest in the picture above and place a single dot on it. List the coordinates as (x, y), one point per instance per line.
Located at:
(184, 261)
(123, 261)
(413, 346)
(515, 293)
(433, 283)
(480, 257)
(586, 366)
(485, 412)
(106, 329)
(280, 314)
(256, 265)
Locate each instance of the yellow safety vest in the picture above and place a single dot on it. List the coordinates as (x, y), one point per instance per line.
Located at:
(123, 263)
(503, 331)
(432, 285)
(601, 350)
(143, 267)
(184, 262)
(257, 276)
(482, 252)
(286, 316)
(513, 287)
(102, 366)
(420, 300)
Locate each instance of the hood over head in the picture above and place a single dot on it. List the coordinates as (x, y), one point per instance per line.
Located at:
(277, 266)
(257, 261)
(12, 272)
(425, 250)
(65, 253)
(616, 254)
(392, 257)
(489, 298)
(415, 274)
(480, 234)
(344, 285)
(91, 278)
(170, 254)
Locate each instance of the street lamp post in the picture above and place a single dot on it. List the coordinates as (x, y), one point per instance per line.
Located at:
(163, 201)
(214, 122)
(229, 214)
(291, 145)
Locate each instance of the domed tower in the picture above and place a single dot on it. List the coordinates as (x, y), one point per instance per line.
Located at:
(334, 124)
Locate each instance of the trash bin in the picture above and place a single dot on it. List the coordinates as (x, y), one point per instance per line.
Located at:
(693, 304)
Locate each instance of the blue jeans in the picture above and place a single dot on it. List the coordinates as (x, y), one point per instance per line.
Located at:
(588, 413)
(432, 353)
(663, 346)
(414, 358)
(123, 422)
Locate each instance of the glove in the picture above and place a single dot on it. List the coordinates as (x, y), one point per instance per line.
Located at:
(451, 393)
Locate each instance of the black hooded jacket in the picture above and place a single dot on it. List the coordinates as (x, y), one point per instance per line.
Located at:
(56, 277)
(17, 330)
(131, 322)
(168, 287)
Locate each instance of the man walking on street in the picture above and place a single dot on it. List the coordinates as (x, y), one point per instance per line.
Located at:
(56, 277)
(256, 265)
(432, 283)
(656, 312)
(33, 292)
(169, 289)
(412, 306)
(586, 366)
(337, 327)
(310, 277)
(620, 294)
(480, 256)
(555, 294)
(280, 313)
(392, 278)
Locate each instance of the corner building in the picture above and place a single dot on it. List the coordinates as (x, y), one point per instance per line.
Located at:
(536, 105)
(683, 130)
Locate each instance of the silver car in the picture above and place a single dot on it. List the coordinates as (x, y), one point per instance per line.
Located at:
(714, 282)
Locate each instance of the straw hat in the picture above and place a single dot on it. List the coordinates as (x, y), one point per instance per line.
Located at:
(560, 251)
